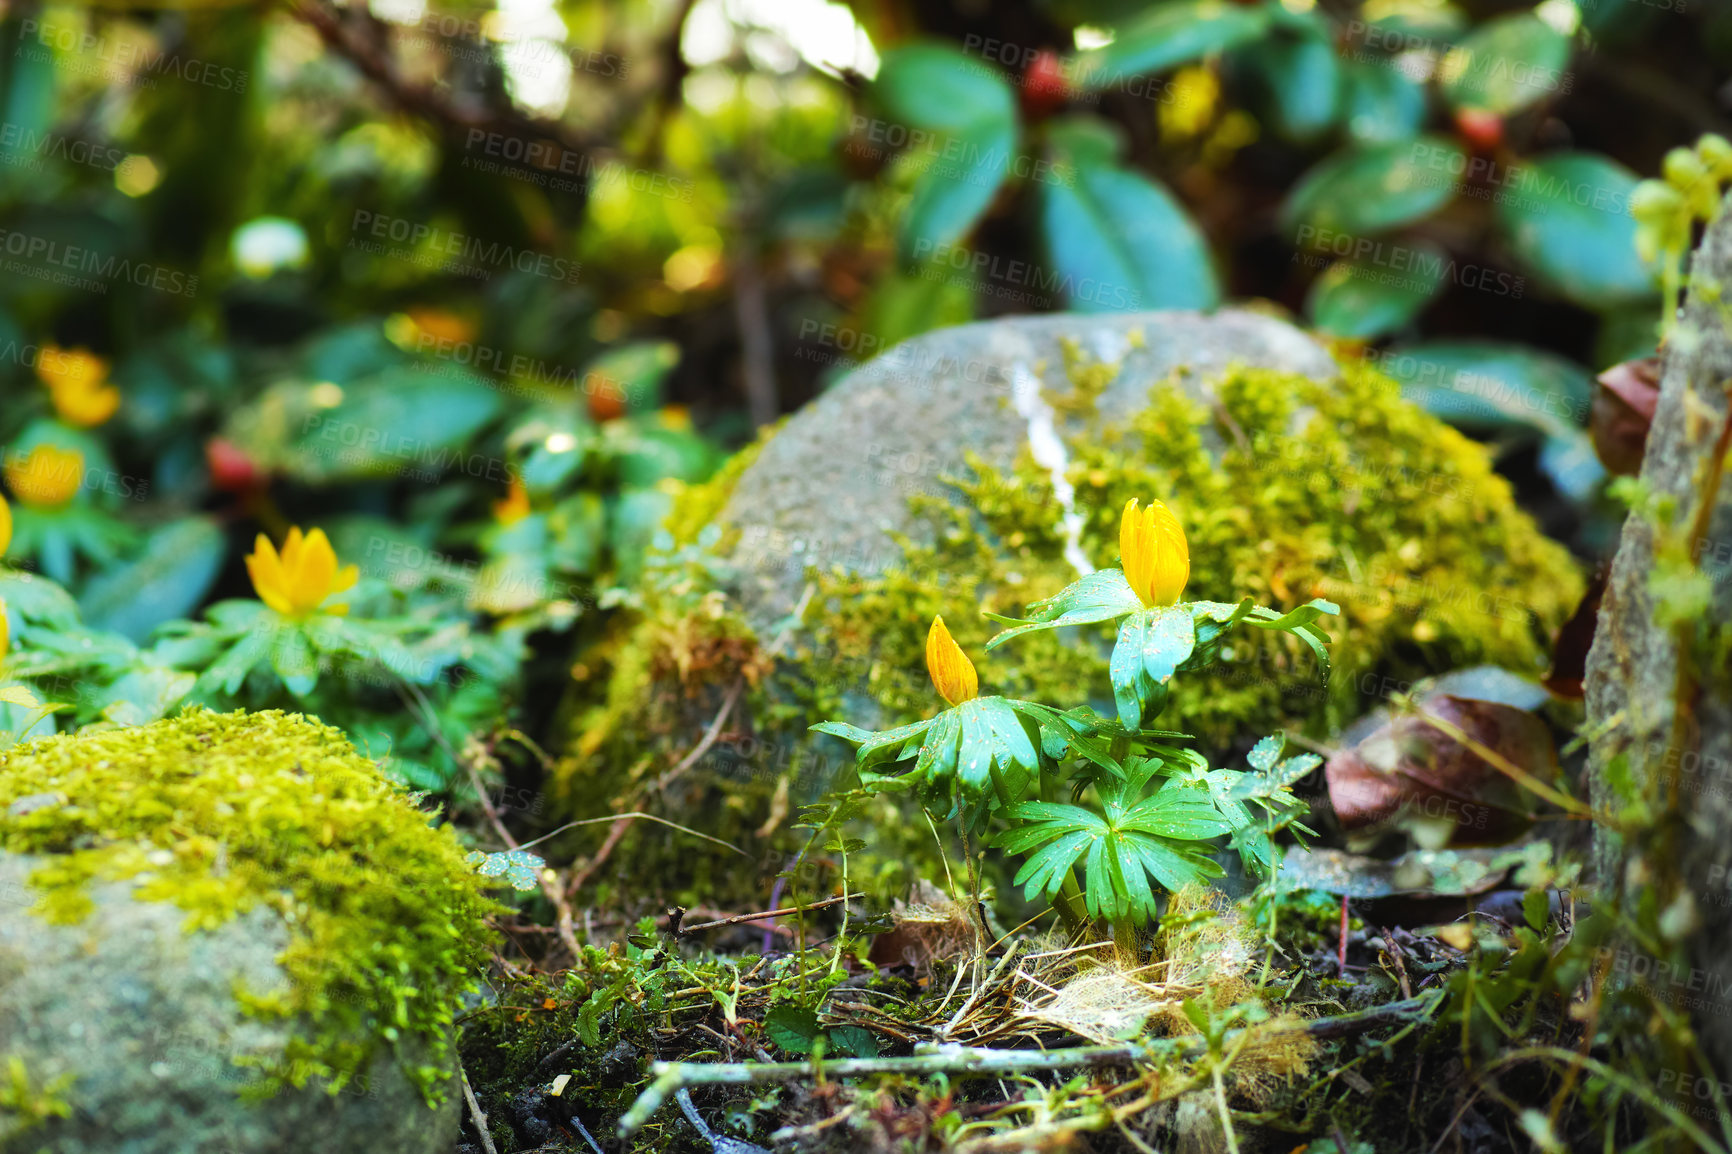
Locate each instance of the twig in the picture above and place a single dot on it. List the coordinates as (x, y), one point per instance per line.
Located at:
(475, 1113)
(739, 919)
(954, 1059)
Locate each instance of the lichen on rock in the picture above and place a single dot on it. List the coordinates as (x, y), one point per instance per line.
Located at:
(274, 819)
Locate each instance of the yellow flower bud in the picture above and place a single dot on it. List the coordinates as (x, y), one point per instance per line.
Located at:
(952, 672)
(1152, 549)
(297, 581)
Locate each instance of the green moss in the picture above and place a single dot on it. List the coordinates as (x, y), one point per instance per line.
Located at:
(223, 813)
(1288, 489)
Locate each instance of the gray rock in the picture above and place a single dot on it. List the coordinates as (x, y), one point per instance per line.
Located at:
(1638, 675)
(834, 482)
(143, 1017)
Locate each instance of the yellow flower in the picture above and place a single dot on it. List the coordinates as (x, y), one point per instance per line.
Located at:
(297, 582)
(514, 506)
(443, 325)
(46, 477)
(1152, 549)
(78, 385)
(952, 672)
(5, 526)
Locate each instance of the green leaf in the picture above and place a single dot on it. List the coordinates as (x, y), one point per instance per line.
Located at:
(1266, 752)
(1362, 301)
(971, 112)
(1375, 187)
(405, 421)
(1302, 76)
(1380, 102)
(293, 660)
(956, 186)
(1101, 596)
(1506, 64)
(1180, 812)
(1498, 384)
(855, 1041)
(1119, 241)
(935, 86)
(1168, 35)
(1536, 909)
(1151, 645)
(791, 1027)
(167, 580)
(519, 869)
(1568, 219)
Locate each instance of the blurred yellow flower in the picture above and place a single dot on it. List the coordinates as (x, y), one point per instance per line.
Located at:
(5, 526)
(78, 385)
(297, 581)
(46, 477)
(1189, 103)
(514, 506)
(443, 325)
(952, 672)
(1152, 548)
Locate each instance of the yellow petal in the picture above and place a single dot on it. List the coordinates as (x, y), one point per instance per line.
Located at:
(5, 631)
(318, 569)
(5, 526)
(1153, 550)
(952, 672)
(266, 571)
(346, 578)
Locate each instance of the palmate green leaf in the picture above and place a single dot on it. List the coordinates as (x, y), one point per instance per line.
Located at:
(1152, 644)
(981, 752)
(1044, 874)
(1101, 596)
(1178, 811)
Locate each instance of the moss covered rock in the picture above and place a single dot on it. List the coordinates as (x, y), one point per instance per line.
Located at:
(983, 467)
(226, 931)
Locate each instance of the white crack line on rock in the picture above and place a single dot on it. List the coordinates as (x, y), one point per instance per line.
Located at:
(1049, 453)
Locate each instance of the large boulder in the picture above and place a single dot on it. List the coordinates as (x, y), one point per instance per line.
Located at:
(226, 932)
(983, 467)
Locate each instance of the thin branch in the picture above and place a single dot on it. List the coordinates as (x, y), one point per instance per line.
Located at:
(475, 1113)
(955, 1059)
(740, 919)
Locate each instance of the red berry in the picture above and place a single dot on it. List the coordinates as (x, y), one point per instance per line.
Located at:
(1045, 88)
(1482, 130)
(231, 470)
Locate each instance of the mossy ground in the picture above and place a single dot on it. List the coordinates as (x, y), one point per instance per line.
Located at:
(223, 813)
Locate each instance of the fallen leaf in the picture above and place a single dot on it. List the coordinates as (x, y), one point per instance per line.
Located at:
(1407, 773)
(1622, 411)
